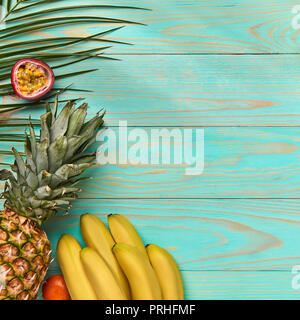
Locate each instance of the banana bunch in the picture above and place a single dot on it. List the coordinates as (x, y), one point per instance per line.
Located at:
(116, 265)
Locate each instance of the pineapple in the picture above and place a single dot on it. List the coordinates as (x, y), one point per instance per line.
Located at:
(36, 189)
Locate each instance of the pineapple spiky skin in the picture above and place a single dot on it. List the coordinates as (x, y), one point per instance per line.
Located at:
(24, 256)
(36, 188)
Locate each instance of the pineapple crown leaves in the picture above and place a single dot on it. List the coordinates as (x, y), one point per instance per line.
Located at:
(47, 180)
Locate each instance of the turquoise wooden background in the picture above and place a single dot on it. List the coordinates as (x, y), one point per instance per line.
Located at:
(233, 68)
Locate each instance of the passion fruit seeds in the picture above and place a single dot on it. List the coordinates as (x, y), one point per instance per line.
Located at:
(31, 79)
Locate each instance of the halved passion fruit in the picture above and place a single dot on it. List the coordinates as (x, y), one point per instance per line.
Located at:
(31, 79)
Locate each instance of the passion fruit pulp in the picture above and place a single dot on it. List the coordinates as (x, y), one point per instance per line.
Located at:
(31, 79)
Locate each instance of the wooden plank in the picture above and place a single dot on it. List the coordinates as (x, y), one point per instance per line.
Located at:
(239, 163)
(206, 235)
(193, 228)
(239, 285)
(188, 26)
(192, 90)
(224, 285)
(248, 246)
(241, 249)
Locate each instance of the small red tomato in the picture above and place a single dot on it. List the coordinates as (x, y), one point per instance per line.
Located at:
(55, 288)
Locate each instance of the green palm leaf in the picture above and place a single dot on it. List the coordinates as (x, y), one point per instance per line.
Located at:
(35, 19)
(8, 5)
(12, 107)
(75, 18)
(62, 76)
(34, 4)
(8, 63)
(16, 8)
(91, 6)
(26, 51)
(39, 41)
(22, 31)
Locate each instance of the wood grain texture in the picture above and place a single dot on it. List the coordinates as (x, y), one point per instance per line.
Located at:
(193, 90)
(254, 238)
(239, 163)
(204, 235)
(202, 64)
(239, 285)
(222, 285)
(226, 249)
(188, 26)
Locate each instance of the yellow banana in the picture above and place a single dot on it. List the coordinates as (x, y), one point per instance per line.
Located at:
(167, 272)
(97, 236)
(141, 276)
(68, 254)
(124, 232)
(104, 282)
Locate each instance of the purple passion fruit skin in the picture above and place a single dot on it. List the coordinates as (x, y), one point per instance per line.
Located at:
(31, 79)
